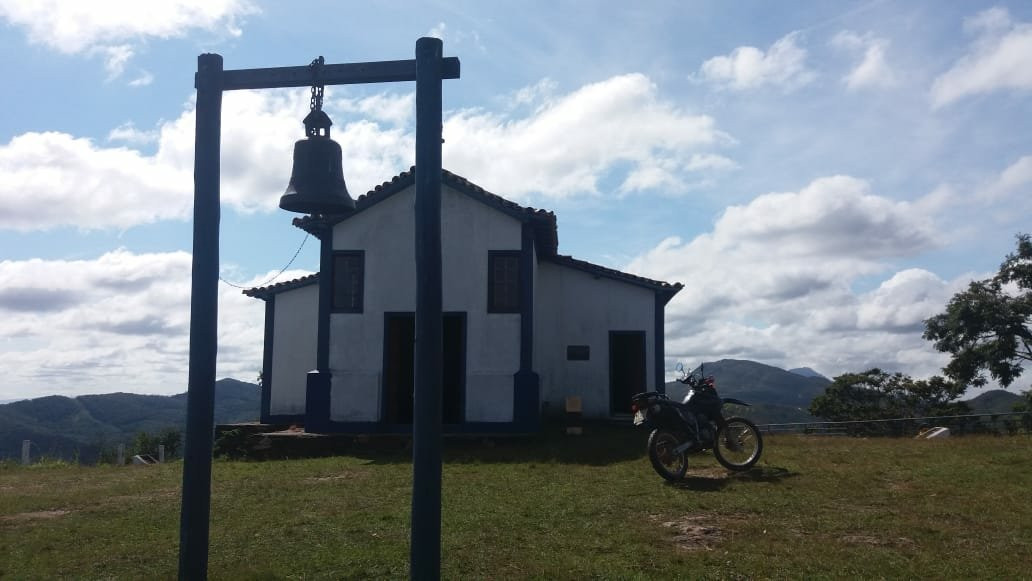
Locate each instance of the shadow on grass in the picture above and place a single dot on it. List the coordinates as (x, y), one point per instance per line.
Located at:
(598, 446)
(764, 474)
(712, 480)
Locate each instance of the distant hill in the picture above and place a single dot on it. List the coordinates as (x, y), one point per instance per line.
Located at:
(775, 395)
(995, 401)
(806, 372)
(63, 427)
(778, 396)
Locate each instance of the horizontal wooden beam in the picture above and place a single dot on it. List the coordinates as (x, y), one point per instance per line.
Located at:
(340, 74)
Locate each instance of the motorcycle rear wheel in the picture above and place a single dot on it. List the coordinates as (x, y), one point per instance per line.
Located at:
(738, 444)
(667, 463)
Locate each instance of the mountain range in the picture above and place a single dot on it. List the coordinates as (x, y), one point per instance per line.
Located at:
(82, 426)
(995, 401)
(779, 396)
(67, 427)
(774, 395)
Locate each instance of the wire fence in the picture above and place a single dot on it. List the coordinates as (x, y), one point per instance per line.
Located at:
(1003, 423)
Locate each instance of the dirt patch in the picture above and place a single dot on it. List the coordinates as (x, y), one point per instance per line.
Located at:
(709, 472)
(343, 476)
(37, 515)
(150, 496)
(876, 541)
(693, 533)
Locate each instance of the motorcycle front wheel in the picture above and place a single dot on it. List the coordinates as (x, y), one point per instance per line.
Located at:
(738, 444)
(667, 463)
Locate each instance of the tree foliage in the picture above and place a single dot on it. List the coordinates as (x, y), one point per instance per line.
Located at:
(988, 327)
(145, 443)
(875, 395)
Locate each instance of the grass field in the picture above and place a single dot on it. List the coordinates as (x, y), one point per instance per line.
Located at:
(549, 508)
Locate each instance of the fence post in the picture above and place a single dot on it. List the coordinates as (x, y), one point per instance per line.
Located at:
(25, 452)
(121, 454)
(161, 453)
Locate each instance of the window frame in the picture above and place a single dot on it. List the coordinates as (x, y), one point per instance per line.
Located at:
(352, 254)
(493, 305)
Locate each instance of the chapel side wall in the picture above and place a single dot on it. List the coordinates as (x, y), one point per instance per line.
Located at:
(294, 349)
(385, 233)
(582, 310)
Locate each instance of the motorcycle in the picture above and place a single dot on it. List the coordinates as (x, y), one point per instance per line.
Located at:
(695, 425)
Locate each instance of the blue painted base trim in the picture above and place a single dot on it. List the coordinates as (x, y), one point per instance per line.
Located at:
(333, 427)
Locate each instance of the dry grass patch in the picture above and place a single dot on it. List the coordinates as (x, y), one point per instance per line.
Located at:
(698, 532)
(35, 515)
(871, 541)
(344, 475)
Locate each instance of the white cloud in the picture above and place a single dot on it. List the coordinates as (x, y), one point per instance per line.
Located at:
(902, 303)
(128, 133)
(49, 179)
(143, 80)
(873, 70)
(773, 281)
(115, 58)
(113, 28)
(538, 93)
(438, 31)
(394, 109)
(55, 179)
(782, 65)
(570, 142)
(999, 58)
(566, 145)
(73, 327)
(1011, 180)
(457, 37)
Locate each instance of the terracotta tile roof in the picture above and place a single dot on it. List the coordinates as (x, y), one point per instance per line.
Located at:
(265, 292)
(543, 221)
(545, 229)
(582, 265)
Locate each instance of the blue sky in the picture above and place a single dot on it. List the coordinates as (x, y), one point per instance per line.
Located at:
(822, 176)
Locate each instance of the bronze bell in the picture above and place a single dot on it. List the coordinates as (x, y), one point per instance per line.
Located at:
(317, 180)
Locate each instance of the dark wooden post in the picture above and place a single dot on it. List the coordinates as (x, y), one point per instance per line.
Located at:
(425, 555)
(428, 70)
(204, 310)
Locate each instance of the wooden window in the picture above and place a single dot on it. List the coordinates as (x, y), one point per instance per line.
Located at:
(503, 281)
(348, 281)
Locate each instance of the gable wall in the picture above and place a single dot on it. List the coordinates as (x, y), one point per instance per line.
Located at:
(385, 232)
(577, 308)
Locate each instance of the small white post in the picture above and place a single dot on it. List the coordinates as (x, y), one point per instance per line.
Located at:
(161, 453)
(121, 454)
(25, 451)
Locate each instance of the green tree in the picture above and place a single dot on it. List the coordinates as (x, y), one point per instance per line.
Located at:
(145, 443)
(172, 439)
(876, 395)
(988, 327)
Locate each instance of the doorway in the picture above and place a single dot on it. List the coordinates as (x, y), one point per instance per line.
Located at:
(626, 369)
(399, 367)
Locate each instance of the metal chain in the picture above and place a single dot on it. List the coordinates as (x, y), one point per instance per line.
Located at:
(317, 89)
